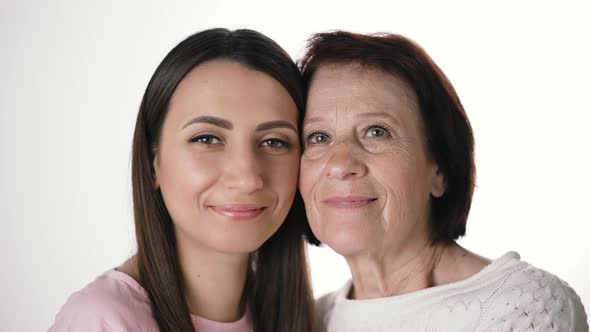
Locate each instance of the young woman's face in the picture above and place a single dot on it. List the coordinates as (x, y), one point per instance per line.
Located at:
(228, 157)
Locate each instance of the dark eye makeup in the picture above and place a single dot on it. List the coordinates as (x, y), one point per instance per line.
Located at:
(275, 143)
(205, 139)
(271, 143)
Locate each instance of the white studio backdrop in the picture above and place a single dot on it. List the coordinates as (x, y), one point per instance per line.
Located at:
(72, 74)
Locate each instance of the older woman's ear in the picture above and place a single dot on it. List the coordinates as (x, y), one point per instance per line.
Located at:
(439, 184)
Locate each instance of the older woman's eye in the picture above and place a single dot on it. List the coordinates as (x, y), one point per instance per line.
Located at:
(377, 131)
(275, 143)
(205, 139)
(317, 138)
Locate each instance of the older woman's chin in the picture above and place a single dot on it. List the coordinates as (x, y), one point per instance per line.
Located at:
(346, 242)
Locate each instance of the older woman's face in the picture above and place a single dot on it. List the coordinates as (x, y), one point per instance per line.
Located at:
(366, 176)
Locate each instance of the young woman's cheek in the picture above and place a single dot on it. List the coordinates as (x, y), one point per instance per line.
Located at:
(284, 175)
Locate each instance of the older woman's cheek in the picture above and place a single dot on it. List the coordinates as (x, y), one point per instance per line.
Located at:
(312, 166)
(395, 210)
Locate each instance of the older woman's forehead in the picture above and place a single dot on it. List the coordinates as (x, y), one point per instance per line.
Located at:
(355, 91)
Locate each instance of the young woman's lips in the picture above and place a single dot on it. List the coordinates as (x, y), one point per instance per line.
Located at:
(239, 211)
(349, 202)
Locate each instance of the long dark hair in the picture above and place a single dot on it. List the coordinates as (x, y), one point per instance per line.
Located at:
(277, 290)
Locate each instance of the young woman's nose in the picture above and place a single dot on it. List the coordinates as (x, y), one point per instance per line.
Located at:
(243, 171)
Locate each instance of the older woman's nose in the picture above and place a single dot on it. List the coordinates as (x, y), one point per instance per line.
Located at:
(243, 172)
(345, 162)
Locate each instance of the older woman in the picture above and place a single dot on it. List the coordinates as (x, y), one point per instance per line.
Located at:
(387, 176)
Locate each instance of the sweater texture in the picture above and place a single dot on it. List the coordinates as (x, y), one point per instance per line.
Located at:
(507, 295)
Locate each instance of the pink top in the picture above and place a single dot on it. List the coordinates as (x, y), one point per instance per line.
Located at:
(116, 302)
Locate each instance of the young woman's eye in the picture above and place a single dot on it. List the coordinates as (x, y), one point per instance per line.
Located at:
(317, 138)
(377, 132)
(205, 139)
(275, 143)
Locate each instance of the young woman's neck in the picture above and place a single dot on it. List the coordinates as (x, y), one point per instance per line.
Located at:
(213, 281)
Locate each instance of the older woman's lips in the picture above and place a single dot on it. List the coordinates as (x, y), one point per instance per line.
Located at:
(239, 211)
(349, 202)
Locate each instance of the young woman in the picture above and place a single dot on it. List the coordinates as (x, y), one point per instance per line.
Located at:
(219, 224)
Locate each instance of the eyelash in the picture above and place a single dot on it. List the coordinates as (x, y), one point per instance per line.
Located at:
(309, 136)
(381, 126)
(282, 143)
(195, 139)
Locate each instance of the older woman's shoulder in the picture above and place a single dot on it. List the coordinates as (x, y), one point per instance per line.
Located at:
(325, 305)
(113, 301)
(532, 298)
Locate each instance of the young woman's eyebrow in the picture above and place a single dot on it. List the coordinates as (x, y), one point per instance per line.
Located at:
(219, 122)
(275, 124)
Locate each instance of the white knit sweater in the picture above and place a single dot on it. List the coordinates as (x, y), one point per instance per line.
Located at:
(507, 295)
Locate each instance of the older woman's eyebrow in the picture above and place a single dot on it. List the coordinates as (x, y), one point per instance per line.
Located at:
(379, 114)
(219, 122)
(370, 114)
(313, 119)
(275, 124)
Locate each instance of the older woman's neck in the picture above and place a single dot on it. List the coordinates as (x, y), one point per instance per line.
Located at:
(384, 273)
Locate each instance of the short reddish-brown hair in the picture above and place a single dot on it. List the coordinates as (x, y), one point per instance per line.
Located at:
(448, 133)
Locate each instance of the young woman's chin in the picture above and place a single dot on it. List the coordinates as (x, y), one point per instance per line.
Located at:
(240, 237)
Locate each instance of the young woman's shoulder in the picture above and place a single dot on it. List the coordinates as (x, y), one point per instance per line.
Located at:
(112, 302)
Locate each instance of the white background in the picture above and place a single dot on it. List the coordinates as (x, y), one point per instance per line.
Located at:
(72, 74)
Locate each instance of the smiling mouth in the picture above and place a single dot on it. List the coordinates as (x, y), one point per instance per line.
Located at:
(349, 202)
(239, 212)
